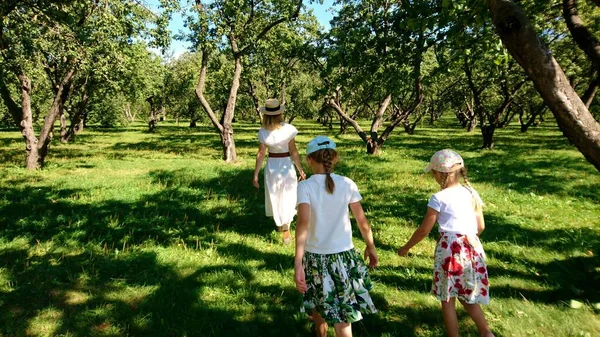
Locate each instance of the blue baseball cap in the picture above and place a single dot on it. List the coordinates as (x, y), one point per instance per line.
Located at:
(319, 143)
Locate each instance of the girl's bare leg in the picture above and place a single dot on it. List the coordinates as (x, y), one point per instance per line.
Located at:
(343, 329)
(474, 310)
(450, 320)
(287, 238)
(320, 324)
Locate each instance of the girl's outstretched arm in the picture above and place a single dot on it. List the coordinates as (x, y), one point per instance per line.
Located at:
(296, 158)
(480, 222)
(421, 232)
(301, 235)
(260, 156)
(367, 234)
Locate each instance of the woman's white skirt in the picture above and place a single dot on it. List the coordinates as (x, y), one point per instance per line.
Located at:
(281, 186)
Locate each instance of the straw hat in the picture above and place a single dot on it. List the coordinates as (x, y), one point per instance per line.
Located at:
(272, 107)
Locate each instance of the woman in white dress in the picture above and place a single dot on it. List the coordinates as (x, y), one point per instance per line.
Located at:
(281, 181)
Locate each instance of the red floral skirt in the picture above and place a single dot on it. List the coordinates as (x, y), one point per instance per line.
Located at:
(460, 270)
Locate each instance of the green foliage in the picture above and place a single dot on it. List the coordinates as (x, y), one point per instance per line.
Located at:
(108, 111)
(132, 233)
(180, 82)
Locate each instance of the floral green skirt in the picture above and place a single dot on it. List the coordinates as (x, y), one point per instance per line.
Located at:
(338, 286)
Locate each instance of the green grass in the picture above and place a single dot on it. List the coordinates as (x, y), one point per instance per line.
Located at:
(127, 233)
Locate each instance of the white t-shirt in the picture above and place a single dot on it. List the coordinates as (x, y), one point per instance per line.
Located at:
(278, 140)
(456, 211)
(329, 231)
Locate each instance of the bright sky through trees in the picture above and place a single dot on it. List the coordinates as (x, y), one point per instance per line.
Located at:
(323, 12)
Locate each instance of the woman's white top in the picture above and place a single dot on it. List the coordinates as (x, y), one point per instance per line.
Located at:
(456, 210)
(277, 140)
(329, 230)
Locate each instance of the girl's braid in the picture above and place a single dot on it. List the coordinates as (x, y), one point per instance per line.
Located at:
(463, 173)
(444, 179)
(476, 202)
(328, 165)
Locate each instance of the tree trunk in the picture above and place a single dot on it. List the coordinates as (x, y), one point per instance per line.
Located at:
(472, 124)
(46, 134)
(432, 115)
(292, 117)
(224, 127)
(282, 91)
(378, 118)
(373, 147)
(570, 112)
(130, 117)
(255, 100)
(229, 151)
(193, 123)
(152, 117)
(77, 120)
(63, 127)
(487, 131)
(31, 142)
(343, 126)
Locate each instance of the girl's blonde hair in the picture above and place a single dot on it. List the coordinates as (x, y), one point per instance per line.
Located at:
(450, 177)
(328, 157)
(271, 122)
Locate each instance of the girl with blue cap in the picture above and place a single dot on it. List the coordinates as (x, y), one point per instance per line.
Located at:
(329, 271)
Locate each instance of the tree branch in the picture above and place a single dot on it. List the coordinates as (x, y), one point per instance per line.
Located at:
(13, 108)
(270, 26)
(589, 94)
(582, 36)
(378, 118)
(200, 92)
(416, 103)
(332, 103)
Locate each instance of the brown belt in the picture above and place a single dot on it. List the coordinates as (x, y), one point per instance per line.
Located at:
(279, 155)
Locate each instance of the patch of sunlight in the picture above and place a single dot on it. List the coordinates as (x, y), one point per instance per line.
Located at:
(517, 284)
(45, 323)
(132, 296)
(524, 318)
(74, 297)
(18, 243)
(6, 281)
(142, 321)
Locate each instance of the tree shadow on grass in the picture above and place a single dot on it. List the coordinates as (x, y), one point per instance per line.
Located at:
(410, 320)
(135, 294)
(517, 165)
(567, 240)
(188, 208)
(568, 279)
(575, 277)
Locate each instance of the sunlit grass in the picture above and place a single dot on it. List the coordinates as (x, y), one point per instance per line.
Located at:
(131, 233)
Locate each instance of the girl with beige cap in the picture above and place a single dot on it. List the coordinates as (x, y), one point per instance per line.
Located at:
(460, 269)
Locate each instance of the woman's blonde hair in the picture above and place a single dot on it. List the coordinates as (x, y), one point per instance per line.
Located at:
(328, 157)
(271, 122)
(450, 177)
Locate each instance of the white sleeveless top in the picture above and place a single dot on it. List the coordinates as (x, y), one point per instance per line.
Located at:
(277, 140)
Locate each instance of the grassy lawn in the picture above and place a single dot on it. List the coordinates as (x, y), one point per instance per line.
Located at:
(127, 233)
